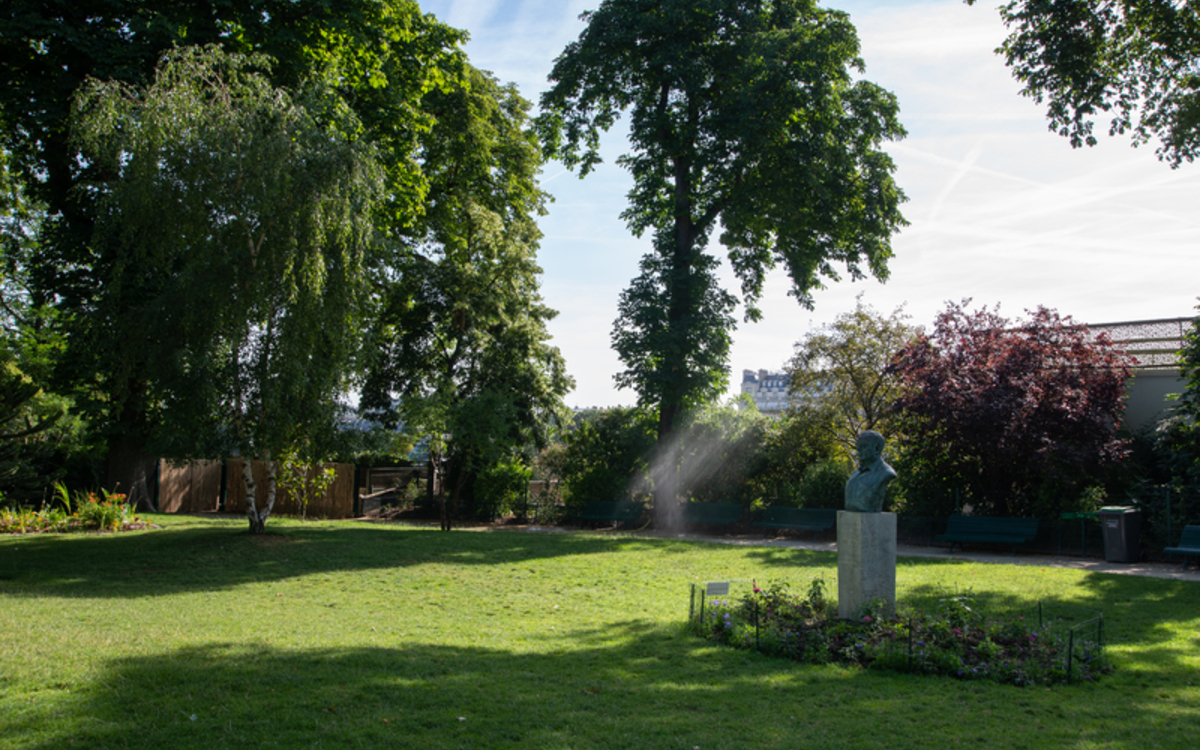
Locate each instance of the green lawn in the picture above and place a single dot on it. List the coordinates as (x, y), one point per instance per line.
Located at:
(332, 635)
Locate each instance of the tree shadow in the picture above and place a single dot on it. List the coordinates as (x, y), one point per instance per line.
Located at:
(632, 684)
(217, 557)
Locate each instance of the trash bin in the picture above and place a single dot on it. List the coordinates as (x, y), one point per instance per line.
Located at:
(1122, 528)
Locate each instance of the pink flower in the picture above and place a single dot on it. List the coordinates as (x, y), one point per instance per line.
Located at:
(867, 618)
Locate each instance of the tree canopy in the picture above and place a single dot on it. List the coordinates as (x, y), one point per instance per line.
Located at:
(1134, 61)
(240, 217)
(460, 337)
(746, 115)
(1004, 410)
(380, 57)
(842, 370)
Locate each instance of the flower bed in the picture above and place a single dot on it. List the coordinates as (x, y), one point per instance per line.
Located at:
(955, 640)
(84, 512)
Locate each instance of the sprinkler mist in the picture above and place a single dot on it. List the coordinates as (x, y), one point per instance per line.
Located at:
(679, 467)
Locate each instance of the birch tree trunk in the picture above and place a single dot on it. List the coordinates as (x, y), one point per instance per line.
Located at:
(258, 521)
(256, 525)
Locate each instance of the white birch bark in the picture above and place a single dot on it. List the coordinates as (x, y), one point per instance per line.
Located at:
(256, 525)
(271, 485)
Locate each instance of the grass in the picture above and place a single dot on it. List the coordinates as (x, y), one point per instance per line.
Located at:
(346, 635)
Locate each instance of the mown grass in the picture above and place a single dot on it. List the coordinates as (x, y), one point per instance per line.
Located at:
(347, 635)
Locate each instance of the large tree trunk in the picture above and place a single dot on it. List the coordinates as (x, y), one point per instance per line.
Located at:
(458, 478)
(131, 470)
(664, 472)
(664, 468)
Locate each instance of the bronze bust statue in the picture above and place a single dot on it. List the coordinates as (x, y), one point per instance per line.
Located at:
(868, 484)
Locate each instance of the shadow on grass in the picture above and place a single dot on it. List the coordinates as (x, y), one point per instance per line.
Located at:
(217, 557)
(629, 685)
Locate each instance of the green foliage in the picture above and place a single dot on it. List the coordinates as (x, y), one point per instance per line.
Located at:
(1135, 59)
(382, 55)
(501, 488)
(380, 58)
(792, 444)
(459, 348)
(954, 641)
(843, 370)
(606, 458)
(823, 485)
(241, 217)
(40, 442)
(86, 511)
(646, 332)
(305, 481)
(715, 455)
(737, 108)
(716, 452)
(1177, 439)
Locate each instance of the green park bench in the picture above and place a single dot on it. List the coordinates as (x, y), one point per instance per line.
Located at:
(805, 519)
(970, 529)
(1189, 544)
(609, 511)
(712, 514)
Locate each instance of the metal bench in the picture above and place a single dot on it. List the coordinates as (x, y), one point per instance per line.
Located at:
(970, 529)
(1189, 544)
(806, 519)
(712, 514)
(610, 511)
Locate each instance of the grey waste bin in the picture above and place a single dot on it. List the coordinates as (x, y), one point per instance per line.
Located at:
(1122, 528)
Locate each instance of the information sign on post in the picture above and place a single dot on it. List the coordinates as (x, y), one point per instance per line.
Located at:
(717, 588)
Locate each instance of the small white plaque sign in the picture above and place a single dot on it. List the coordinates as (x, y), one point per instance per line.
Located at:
(717, 588)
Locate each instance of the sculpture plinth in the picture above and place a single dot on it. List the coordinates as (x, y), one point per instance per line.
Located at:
(866, 544)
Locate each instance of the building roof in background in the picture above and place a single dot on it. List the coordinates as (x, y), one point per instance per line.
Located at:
(1154, 344)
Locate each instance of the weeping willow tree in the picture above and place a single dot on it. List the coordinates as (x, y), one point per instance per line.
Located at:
(240, 218)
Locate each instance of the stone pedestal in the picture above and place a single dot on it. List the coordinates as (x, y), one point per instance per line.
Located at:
(866, 545)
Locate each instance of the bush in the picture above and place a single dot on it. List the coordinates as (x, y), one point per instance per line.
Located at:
(1021, 415)
(823, 485)
(606, 456)
(792, 445)
(717, 450)
(501, 489)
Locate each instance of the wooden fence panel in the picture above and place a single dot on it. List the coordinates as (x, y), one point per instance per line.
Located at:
(193, 487)
(337, 502)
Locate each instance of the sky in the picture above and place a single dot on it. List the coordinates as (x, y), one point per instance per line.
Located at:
(1000, 209)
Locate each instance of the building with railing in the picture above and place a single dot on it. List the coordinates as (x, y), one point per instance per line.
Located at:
(1154, 346)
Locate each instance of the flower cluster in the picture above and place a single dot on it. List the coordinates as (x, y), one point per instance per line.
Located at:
(954, 641)
(83, 512)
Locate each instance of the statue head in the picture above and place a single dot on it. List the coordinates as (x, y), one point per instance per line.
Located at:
(870, 447)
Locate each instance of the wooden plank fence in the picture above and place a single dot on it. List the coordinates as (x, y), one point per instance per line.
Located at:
(196, 487)
(189, 488)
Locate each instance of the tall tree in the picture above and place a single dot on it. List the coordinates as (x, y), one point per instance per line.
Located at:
(1007, 410)
(745, 114)
(242, 217)
(843, 370)
(1134, 61)
(461, 334)
(381, 57)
